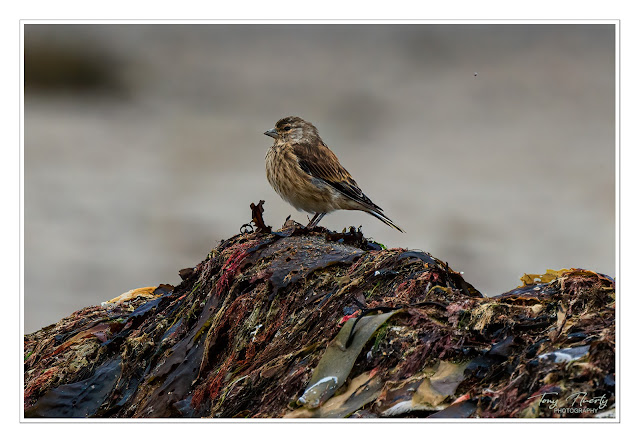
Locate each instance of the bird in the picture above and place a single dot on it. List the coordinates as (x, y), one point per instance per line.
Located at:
(307, 174)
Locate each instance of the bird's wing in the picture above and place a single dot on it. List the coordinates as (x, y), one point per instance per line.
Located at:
(319, 162)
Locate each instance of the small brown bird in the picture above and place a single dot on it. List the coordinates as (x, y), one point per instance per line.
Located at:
(304, 171)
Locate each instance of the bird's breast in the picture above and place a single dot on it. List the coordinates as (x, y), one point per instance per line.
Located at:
(296, 186)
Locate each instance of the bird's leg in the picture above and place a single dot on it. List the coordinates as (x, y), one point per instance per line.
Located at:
(316, 219)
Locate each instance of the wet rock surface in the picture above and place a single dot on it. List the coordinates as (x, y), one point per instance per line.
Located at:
(298, 323)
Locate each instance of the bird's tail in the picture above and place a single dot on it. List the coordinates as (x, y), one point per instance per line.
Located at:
(384, 219)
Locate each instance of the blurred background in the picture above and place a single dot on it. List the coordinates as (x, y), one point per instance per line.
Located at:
(493, 146)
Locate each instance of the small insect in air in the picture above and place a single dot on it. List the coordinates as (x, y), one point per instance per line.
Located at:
(475, 74)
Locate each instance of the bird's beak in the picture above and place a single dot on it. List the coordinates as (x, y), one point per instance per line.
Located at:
(272, 133)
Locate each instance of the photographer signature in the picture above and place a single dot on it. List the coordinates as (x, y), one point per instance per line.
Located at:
(575, 400)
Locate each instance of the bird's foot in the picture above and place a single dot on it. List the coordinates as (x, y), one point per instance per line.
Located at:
(315, 220)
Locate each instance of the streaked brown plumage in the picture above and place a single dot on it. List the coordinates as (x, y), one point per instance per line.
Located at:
(304, 171)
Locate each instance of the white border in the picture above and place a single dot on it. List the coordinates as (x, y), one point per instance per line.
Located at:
(340, 21)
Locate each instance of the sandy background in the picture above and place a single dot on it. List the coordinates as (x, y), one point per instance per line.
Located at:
(500, 173)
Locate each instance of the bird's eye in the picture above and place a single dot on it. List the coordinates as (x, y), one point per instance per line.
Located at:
(286, 128)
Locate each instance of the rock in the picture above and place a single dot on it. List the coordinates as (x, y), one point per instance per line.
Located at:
(249, 333)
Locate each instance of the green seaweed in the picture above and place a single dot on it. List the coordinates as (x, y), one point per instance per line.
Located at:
(202, 330)
(382, 332)
(338, 360)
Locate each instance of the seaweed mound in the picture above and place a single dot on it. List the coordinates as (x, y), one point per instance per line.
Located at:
(310, 323)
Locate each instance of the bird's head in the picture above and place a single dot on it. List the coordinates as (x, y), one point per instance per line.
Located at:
(293, 129)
